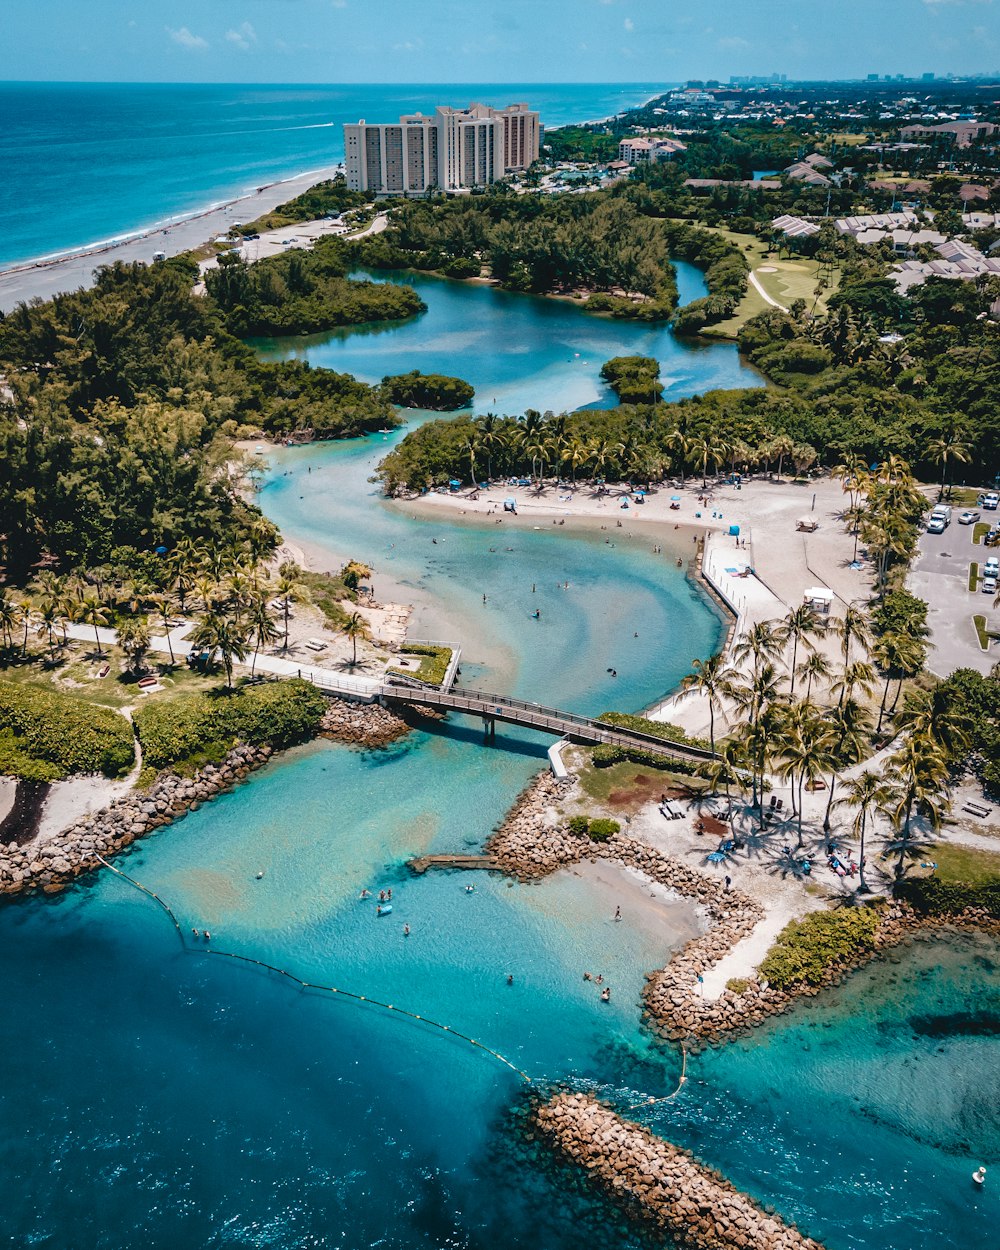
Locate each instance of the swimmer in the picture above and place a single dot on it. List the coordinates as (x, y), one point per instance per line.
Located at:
(618, 913)
(587, 976)
(406, 930)
(510, 978)
(606, 994)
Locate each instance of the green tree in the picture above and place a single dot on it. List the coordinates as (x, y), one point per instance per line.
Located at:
(226, 633)
(867, 795)
(133, 638)
(712, 678)
(355, 627)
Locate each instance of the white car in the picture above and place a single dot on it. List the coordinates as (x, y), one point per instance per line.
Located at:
(936, 525)
(969, 518)
(989, 586)
(992, 567)
(991, 501)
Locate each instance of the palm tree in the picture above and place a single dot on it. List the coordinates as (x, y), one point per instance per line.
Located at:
(48, 611)
(852, 627)
(163, 602)
(921, 770)
(804, 752)
(899, 656)
(701, 451)
(798, 626)
(227, 633)
(711, 678)
(26, 609)
(762, 641)
(781, 447)
(932, 714)
(290, 589)
(93, 612)
(355, 627)
(133, 638)
(859, 674)
(9, 618)
(729, 765)
(490, 439)
(676, 441)
(868, 794)
(850, 733)
(815, 667)
(263, 629)
(950, 446)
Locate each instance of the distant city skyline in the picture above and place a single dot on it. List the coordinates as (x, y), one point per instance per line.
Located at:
(370, 41)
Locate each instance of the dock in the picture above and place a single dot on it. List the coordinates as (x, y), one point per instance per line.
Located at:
(423, 862)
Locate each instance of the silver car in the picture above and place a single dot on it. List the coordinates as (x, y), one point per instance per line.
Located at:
(969, 518)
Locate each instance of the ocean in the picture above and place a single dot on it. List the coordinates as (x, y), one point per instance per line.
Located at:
(88, 162)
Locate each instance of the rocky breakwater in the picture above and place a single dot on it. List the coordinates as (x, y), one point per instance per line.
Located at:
(51, 864)
(533, 839)
(364, 724)
(658, 1183)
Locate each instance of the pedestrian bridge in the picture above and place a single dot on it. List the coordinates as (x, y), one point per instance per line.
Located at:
(499, 707)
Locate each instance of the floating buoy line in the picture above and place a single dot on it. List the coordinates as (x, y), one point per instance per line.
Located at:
(310, 985)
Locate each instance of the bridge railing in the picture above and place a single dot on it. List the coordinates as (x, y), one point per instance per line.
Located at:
(538, 716)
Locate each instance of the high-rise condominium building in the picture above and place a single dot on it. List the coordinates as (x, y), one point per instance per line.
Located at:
(454, 150)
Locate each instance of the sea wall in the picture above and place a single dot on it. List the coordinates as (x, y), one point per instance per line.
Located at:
(657, 1182)
(364, 724)
(50, 865)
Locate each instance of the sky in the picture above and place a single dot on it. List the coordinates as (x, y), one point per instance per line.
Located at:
(441, 41)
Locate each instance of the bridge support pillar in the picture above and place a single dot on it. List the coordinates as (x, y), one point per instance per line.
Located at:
(489, 727)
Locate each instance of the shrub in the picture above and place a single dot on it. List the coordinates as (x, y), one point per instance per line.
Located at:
(806, 950)
(601, 829)
(654, 728)
(579, 825)
(202, 727)
(609, 753)
(433, 391)
(45, 735)
(739, 985)
(934, 897)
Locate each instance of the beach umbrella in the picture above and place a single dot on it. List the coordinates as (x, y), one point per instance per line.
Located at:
(675, 498)
(161, 551)
(454, 482)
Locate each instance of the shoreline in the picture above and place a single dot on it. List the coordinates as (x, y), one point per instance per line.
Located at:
(45, 276)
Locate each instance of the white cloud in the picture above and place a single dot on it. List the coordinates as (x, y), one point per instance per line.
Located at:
(733, 41)
(244, 37)
(629, 25)
(183, 37)
(933, 4)
(408, 45)
(339, 4)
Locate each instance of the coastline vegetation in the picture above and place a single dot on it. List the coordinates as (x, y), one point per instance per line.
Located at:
(197, 729)
(806, 951)
(434, 392)
(46, 735)
(302, 292)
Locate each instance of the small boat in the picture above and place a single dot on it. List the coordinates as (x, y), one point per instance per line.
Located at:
(979, 1177)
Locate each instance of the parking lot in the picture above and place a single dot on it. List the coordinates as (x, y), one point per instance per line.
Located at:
(940, 574)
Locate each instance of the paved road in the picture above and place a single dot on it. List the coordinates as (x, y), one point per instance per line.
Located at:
(940, 574)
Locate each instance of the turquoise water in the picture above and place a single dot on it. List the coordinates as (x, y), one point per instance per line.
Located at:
(87, 162)
(157, 1096)
(519, 351)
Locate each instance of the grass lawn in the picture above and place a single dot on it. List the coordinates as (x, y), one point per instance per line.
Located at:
(628, 786)
(791, 279)
(980, 530)
(974, 576)
(981, 631)
(75, 674)
(964, 864)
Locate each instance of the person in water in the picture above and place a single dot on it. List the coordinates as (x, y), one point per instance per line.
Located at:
(365, 893)
(606, 994)
(406, 930)
(618, 913)
(536, 614)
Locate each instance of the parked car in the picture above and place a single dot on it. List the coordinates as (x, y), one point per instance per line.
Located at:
(989, 586)
(936, 525)
(992, 539)
(969, 517)
(992, 567)
(991, 501)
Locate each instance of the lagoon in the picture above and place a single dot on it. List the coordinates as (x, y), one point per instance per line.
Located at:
(155, 1095)
(520, 351)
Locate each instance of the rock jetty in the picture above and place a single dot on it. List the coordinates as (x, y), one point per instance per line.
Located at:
(534, 840)
(366, 724)
(51, 864)
(657, 1182)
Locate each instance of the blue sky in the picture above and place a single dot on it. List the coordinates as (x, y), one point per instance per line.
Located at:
(327, 41)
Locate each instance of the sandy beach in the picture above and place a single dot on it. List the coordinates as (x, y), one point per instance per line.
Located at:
(45, 277)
